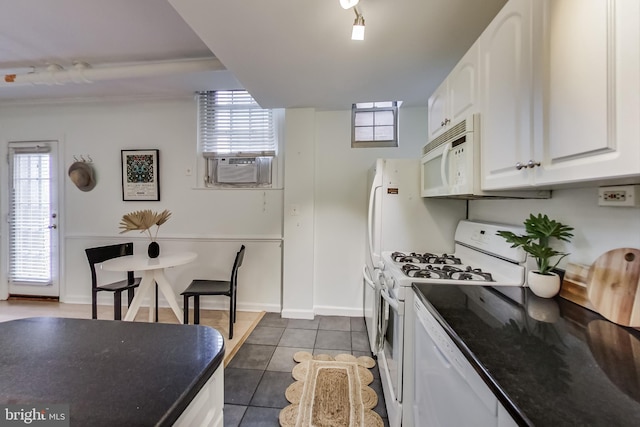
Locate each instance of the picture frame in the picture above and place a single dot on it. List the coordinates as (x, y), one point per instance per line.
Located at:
(140, 175)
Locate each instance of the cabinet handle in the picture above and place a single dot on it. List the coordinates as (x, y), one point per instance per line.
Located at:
(441, 124)
(520, 166)
(532, 164)
(447, 121)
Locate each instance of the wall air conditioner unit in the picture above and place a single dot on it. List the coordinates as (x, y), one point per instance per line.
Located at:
(243, 170)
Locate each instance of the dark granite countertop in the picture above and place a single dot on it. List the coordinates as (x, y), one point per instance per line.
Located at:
(549, 361)
(111, 373)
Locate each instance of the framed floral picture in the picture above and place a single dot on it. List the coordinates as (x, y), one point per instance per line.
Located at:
(140, 175)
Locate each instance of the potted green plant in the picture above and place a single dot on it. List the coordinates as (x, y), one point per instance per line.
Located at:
(539, 231)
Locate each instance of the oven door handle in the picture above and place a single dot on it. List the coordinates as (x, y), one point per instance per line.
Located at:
(393, 303)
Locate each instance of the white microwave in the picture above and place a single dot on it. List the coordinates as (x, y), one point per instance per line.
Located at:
(450, 165)
(450, 161)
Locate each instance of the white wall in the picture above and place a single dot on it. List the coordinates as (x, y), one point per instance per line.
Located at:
(597, 228)
(299, 211)
(341, 205)
(324, 177)
(212, 222)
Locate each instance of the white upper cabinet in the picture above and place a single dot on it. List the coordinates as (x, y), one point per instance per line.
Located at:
(456, 97)
(437, 111)
(592, 89)
(560, 93)
(507, 101)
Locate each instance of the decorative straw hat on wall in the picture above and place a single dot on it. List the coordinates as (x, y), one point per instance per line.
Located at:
(81, 174)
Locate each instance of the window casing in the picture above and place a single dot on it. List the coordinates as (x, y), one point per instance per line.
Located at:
(374, 124)
(237, 139)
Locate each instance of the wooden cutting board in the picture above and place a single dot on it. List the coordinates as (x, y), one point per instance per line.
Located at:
(617, 352)
(613, 286)
(574, 285)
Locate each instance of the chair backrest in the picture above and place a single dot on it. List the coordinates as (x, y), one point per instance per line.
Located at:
(103, 253)
(236, 265)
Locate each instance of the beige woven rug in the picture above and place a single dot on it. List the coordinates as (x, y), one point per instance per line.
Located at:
(331, 392)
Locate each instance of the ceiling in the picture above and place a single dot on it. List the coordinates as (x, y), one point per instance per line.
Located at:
(286, 53)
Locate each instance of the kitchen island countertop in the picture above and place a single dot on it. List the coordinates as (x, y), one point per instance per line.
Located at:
(550, 362)
(109, 372)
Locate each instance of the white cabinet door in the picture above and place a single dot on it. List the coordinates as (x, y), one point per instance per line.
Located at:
(206, 408)
(437, 111)
(506, 91)
(457, 96)
(463, 86)
(591, 98)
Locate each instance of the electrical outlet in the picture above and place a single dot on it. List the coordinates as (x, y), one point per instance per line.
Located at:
(620, 195)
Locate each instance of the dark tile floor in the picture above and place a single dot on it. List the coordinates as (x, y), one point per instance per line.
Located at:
(259, 374)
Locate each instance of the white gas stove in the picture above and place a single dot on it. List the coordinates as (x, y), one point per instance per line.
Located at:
(480, 257)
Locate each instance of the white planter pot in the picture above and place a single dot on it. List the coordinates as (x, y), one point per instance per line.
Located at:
(543, 309)
(545, 286)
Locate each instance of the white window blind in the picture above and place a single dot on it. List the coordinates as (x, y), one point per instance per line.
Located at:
(30, 207)
(231, 123)
(374, 124)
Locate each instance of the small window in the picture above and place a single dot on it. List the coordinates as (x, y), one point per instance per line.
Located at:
(237, 139)
(374, 124)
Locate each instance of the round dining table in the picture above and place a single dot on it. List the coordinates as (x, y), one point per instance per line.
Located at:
(152, 273)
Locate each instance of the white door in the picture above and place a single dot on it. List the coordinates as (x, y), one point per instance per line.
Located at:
(33, 219)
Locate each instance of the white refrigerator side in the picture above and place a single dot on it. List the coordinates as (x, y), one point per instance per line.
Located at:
(370, 271)
(409, 222)
(399, 219)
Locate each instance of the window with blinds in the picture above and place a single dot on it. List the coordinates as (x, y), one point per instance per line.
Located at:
(29, 217)
(374, 124)
(236, 137)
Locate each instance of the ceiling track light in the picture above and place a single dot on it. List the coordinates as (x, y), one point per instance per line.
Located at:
(348, 4)
(358, 26)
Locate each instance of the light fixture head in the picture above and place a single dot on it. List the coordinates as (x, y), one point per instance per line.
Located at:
(348, 4)
(358, 28)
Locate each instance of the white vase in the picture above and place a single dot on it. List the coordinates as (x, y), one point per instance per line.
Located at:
(543, 285)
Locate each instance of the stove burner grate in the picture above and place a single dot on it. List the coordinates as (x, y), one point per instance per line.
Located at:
(447, 272)
(425, 258)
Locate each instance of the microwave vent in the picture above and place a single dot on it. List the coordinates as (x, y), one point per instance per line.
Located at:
(455, 131)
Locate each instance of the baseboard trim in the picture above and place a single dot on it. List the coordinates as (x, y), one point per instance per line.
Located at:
(205, 304)
(298, 314)
(31, 298)
(338, 311)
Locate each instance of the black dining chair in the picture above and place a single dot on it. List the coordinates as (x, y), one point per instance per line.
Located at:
(201, 287)
(101, 254)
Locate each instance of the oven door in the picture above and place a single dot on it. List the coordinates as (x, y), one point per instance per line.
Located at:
(390, 356)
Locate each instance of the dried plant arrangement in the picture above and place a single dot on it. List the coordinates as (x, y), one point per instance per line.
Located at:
(143, 220)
